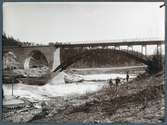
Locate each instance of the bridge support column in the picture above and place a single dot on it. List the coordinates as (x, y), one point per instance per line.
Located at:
(128, 47)
(142, 49)
(159, 49)
(145, 49)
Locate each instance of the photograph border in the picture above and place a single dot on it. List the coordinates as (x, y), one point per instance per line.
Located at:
(50, 123)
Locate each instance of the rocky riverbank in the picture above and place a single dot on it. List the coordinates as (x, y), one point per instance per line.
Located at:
(140, 100)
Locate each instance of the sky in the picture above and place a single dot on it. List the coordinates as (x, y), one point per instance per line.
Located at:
(77, 21)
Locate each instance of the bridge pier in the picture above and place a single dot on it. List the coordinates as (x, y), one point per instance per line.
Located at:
(145, 52)
(145, 49)
(128, 47)
(142, 49)
(159, 49)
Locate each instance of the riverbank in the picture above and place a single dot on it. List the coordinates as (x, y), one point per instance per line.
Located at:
(123, 70)
(140, 100)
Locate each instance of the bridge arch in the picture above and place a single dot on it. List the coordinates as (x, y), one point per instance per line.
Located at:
(10, 60)
(132, 54)
(35, 58)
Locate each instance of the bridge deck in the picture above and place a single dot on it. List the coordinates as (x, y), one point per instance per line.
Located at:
(94, 44)
(158, 42)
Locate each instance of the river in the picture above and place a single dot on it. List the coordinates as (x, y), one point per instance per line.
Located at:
(57, 86)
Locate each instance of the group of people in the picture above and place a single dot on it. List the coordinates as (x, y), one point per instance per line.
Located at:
(117, 80)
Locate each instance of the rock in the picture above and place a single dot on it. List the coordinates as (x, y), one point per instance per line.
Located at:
(71, 78)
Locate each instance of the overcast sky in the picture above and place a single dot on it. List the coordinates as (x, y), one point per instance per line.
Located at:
(50, 22)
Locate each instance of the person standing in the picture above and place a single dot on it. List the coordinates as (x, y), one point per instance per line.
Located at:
(117, 81)
(2, 94)
(110, 82)
(127, 76)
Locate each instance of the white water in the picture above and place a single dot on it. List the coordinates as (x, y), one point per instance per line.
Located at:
(57, 87)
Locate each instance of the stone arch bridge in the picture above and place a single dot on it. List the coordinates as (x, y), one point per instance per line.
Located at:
(45, 54)
(50, 55)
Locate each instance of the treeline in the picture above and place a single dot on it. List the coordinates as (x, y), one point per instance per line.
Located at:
(99, 57)
(10, 41)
